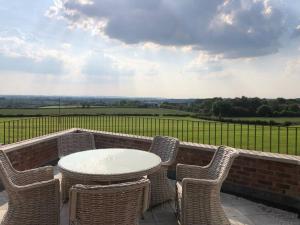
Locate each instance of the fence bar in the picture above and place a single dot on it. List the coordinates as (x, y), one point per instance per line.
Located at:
(13, 131)
(255, 137)
(287, 140)
(187, 130)
(262, 137)
(221, 133)
(215, 133)
(278, 150)
(4, 133)
(203, 131)
(198, 130)
(248, 135)
(234, 135)
(296, 141)
(227, 136)
(270, 138)
(241, 136)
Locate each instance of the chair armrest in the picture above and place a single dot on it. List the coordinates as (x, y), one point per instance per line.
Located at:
(166, 164)
(191, 187)
(191, 171)
(201, 182)
(35, 175)
(41, 193)
(49, 184)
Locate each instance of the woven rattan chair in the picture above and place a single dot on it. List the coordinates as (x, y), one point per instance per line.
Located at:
(198, 189)
(75, 142)
(161, 188)
(68, 144)
(117, 204)
(33, 195)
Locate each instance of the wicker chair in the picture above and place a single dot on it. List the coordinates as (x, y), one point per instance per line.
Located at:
(33, 195)
(116, 204)
(161, 188)
(68, 144)
(198, 189)
(75, 142)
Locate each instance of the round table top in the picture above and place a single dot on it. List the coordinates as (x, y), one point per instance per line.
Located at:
(110, 164)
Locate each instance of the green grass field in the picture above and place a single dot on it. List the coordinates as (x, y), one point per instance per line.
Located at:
(268, 119)
(91, 111)
(266, 138)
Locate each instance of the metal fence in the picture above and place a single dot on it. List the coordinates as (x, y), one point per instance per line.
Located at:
(265, 138)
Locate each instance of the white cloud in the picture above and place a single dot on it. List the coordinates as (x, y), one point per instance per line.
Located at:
(296, 32)
(204, 64)
(17, 54)
(293, 68)
(233, 28)
(102, 65)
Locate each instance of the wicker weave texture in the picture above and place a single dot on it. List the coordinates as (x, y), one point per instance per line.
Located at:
(161, 188)
(198, 189)
(33, 195)
(117, 204)
(75, 142)
(68, 144)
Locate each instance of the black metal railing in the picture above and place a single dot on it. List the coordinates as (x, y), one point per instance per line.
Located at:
(265, 138)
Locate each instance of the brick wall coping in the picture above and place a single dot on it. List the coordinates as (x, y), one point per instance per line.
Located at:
(36, 140)
(291, 159)
(195, 146)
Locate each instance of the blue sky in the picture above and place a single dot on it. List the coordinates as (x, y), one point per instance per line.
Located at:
(157, 48)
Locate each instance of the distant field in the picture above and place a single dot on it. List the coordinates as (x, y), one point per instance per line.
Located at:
(90, 111)
(256, 137)
(276, 119)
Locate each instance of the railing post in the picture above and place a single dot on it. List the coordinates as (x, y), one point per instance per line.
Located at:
(241, 136)
(209, 133)
(234, 135)
(215, 133)
(248, 135)
(198, 139)
(2, 126)
(271, 138)
(262, 137)
(278, 150)
(221, 133)
(296, 141)
(287, 140)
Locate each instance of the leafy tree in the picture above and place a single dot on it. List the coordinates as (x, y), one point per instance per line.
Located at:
(293, 108)
(264, 110)
(221, 108)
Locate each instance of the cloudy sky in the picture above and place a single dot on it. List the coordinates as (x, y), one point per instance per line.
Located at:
(157, 48)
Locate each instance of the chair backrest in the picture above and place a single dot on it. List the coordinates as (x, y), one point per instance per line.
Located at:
(6, 164)
(3, 174)
(7, 179)
(117, 204)
(75, 142)
(165, 147)
(221, 162)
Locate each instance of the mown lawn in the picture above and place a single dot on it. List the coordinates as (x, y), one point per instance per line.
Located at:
(268, 119)
(91, 111)
(256, 137)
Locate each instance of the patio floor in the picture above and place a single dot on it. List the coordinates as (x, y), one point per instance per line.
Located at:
(239, 210)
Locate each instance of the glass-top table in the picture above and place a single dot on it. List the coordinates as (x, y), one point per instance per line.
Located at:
(102, 166)
(110, 163)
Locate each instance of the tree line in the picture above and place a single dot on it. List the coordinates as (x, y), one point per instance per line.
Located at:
(240, 107)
